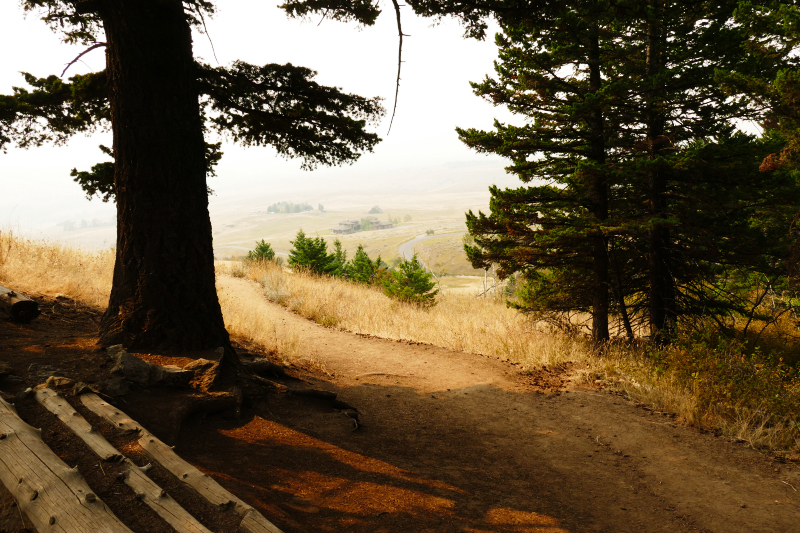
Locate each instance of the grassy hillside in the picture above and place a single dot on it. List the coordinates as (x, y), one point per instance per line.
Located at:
(446, 255)
(703, 379)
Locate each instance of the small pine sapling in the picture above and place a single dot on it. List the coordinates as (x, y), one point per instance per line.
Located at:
(262, 252)
(311, 254)
(362, 268)
(410, 283)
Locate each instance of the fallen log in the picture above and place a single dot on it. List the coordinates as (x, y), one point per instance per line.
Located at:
(54, 497)
(18, 306)
(135, 477)
(203, 484)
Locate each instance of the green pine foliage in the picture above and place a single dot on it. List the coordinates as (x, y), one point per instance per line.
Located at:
(99, 180)
(320, 125)
(362, 268)
(410, 283)
(262, 252)
(640, 199)
(311, 254)
(338, 265)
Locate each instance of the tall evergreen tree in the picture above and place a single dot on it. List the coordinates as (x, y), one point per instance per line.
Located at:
(557, 70)
(682, 51)
(645, 191)
(158, 101)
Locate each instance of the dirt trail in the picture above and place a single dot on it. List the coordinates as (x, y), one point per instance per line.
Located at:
(460, 442)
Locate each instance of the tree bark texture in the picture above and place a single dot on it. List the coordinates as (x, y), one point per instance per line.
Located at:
(599, 198)
(661, 286)
(163, 294)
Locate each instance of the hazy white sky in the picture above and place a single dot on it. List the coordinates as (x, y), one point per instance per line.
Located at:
(35, 187)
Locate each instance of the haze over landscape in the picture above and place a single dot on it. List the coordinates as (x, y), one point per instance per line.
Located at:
(283, 369)
(420, 168)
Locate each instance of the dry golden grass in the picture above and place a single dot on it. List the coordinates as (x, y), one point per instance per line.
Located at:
(487, 326)
(446, 254)
(627, 369)
(458, 322)
(246, 317)
(51, 269)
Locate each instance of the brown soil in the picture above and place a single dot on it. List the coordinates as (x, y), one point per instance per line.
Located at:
(449, 442)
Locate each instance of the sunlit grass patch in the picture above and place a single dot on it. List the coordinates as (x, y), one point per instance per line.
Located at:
(51, 269)
(745, 393)
(458, 322)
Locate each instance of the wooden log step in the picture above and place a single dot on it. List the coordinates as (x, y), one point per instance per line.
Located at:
(203, 484)
(18, 306)
(74, 421)
(54, 497)
(135, 477)
(159, 501)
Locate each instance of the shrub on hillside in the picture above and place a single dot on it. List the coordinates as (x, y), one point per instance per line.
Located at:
(410, 283)
(362, 268)
(312, 254)
(262, 252)
(732, 383)
(309, 253)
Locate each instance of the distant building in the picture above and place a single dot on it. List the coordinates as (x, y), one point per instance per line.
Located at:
(351, 226)
(347, 226)
(377, 224)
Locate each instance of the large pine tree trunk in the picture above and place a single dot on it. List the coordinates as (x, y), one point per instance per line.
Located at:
(599, 198)
(661, 286)
(163, 294)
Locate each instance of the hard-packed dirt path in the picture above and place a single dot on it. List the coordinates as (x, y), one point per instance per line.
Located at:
(449, 442)
(459, 442)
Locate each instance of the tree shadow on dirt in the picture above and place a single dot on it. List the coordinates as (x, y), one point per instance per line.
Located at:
(437, 465)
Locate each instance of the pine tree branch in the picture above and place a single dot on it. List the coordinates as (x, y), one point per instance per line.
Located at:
(94, 46)
(399, 63)
(87, 6)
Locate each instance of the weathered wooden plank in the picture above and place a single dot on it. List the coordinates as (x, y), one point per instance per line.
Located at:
(19, 306)
(255, 522)
(149, 492)
(159, 501)
(53, 496)
(74, 421)
(252, 520)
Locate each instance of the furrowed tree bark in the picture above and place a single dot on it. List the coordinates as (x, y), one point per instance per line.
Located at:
(599, 198)
(163, 294)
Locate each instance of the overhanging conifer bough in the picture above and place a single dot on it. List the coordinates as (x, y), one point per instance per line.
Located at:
(158, 102)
